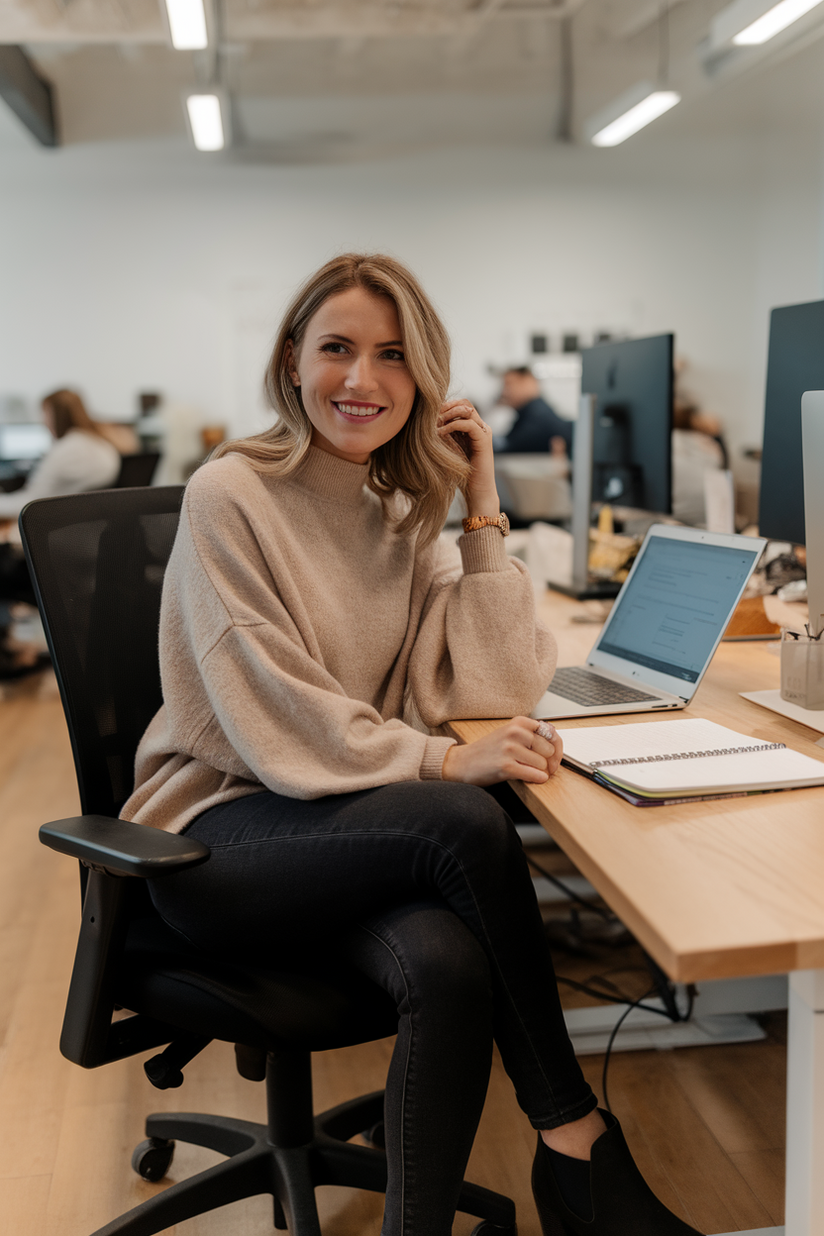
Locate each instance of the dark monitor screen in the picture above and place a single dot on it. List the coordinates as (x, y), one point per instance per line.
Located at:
(795, 364)
(632, 381)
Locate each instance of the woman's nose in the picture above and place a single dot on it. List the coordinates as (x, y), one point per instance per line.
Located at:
(361, 375)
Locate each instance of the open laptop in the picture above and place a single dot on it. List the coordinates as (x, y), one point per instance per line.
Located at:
(664, 627)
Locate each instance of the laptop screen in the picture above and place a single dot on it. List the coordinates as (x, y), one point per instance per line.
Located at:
(678, 601)
(24, 441)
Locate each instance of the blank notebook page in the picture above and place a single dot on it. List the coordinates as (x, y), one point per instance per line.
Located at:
(764, 766)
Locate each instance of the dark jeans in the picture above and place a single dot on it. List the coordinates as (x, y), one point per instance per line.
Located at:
(424, 886)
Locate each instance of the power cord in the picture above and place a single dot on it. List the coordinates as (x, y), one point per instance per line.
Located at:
(567, 891)
(661, 986)
(636, 1004)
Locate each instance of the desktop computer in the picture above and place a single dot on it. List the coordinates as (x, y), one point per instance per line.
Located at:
(622, 444)
(632, 382)
(795, 364)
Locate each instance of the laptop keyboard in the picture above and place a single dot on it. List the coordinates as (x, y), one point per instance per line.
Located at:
(584, 687)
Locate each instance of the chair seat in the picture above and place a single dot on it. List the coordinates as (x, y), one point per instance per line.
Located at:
(317, 1005)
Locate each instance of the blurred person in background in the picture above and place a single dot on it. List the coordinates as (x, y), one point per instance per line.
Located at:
(82, 456)
(537, 428)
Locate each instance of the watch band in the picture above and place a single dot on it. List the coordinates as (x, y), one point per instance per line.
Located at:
(473, 522)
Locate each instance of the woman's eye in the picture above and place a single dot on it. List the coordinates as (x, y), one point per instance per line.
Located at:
(335, 348)
(393, 354)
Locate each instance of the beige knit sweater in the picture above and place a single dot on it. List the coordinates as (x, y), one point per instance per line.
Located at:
(302, 640)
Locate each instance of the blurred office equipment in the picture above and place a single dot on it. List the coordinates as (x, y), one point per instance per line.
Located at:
(21, 445)
(795, 364)
(623, 450)
(137, 469)
(534, 487)
(98, 561)
(633, 385)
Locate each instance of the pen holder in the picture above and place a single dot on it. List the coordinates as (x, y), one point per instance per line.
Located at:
(802, 669)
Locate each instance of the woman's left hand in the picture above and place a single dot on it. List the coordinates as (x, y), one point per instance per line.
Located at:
(460, 424)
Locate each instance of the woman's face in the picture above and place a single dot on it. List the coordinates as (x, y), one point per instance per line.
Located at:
(352, 374)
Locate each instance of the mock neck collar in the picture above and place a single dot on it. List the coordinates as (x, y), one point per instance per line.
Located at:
(330, 477)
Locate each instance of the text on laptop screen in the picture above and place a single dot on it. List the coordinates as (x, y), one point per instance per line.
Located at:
(678, 600)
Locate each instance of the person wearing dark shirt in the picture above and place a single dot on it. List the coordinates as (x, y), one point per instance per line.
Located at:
(537, 427)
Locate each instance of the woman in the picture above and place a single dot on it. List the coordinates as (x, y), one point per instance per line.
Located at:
(310, 633)
(81, 458)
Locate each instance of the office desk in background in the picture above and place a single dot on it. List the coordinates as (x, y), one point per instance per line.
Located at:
(716, 889)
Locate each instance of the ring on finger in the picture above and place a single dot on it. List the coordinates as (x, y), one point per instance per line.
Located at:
(545, 730)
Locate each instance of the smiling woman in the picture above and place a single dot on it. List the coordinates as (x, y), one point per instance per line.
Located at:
(314, 634)
(387, 333)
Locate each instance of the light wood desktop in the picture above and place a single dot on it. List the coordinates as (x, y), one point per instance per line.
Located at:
(715, 889)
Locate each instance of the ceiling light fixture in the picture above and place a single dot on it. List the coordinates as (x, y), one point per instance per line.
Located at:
(206, 121)
(629, 113)
(773, 22)
(187, 24)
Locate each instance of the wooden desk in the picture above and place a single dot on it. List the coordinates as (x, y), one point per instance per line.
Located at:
(715, 889)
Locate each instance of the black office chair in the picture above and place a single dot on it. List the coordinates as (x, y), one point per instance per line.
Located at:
(137, 470)
(98, 561)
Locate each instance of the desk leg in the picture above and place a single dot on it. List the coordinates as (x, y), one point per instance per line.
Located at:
(805, 1105)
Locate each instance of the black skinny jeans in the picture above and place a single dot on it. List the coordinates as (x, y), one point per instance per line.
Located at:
(425, 887)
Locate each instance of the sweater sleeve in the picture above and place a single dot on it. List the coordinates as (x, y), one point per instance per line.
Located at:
(481, 650)
(288, 722)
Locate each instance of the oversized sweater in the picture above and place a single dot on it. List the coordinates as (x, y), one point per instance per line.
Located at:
(305, 644)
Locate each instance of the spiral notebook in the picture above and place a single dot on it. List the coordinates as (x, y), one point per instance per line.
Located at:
(667, 761)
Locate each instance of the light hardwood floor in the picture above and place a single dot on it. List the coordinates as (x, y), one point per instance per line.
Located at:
(706, 1125)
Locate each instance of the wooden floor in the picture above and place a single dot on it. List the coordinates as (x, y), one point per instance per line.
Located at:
(706, 1125)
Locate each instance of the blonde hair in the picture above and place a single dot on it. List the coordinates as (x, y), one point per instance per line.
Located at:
(68, 411)
(416, 462)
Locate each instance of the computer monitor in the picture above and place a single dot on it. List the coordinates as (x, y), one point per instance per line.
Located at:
(24, 442)
(795, 364)
(632, 381)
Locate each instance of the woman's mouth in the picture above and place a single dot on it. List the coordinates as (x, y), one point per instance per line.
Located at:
(355, 411)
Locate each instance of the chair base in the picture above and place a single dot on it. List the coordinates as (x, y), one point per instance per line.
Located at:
(289, 1173)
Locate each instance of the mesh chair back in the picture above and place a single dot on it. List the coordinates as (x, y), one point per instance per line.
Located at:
(97, 561)
(137, 470)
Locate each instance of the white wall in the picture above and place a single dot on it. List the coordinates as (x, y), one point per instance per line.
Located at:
(129, 267)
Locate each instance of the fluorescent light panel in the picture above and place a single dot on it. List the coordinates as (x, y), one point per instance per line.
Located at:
(206, 121)
(637, 117)
(187, 24)
(773, 21)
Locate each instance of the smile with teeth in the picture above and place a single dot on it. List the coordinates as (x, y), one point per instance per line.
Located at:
(358, 409)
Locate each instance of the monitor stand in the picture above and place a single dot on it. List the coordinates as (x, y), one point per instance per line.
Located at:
(582, 586)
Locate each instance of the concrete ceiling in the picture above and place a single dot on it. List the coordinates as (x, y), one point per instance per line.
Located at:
(342, 80)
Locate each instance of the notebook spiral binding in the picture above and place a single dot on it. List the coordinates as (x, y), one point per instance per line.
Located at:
(691, 755)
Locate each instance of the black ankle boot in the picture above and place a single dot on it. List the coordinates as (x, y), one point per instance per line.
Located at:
(622, 1202)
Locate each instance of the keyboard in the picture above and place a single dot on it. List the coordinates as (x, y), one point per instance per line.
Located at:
(583, 687)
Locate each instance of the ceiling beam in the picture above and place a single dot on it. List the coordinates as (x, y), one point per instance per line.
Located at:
(28, 95)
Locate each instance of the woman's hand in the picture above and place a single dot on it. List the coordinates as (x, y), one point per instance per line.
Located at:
(513, 752)
(460, 425)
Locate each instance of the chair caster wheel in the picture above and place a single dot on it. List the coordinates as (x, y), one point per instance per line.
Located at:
(152, 1158)
(376, 1136)
(493, 1229)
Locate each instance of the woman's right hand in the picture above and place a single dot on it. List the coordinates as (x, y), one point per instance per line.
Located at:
(513, 752)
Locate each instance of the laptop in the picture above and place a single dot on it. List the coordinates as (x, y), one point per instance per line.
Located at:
(663, 629)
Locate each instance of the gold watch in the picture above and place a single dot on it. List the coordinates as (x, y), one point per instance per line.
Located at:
(474, 522)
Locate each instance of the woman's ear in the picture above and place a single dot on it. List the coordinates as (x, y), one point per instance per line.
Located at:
(289, 361)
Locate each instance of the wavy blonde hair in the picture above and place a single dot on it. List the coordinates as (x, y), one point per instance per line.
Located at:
(416, 462)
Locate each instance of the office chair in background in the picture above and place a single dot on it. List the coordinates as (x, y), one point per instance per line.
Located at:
(136, 470)
(97, 561)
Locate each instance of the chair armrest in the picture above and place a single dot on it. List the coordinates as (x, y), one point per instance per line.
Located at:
(123, 848)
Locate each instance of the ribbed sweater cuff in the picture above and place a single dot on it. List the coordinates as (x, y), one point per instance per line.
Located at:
(434, 755)
(484, 550)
